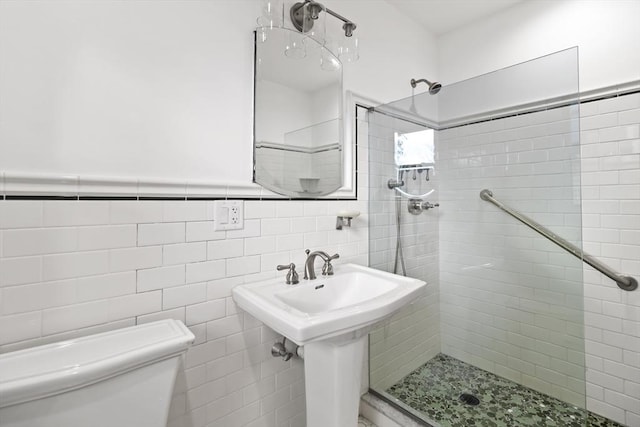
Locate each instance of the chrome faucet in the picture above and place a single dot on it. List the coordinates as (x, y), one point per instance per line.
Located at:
(327, 269)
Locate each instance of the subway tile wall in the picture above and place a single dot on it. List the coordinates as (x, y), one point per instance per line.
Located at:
(511, 301)
(71, 268)
(610, 216)
(610, 141)
(411, 337)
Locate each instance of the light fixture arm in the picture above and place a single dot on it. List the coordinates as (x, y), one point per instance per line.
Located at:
(297, 17)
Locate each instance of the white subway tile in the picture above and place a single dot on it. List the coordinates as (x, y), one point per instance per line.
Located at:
(159, 278)
(605, 409)
(621, 400)
(290, 242)
(21, 214)
(256, 209)
(251, 229)
(24, 298)
(17, 271)
(135, 258)
(134, 305)
(632, 419)
(259, 245)
(243, 265)
(72, 213)
(202, 231)
(176, 313)
(20, 327)
(76, 264)
(603, 322)
(303, 224)
(630, 177)
(184, 253)
(224, 327)
(205, 271)
(106, 237)
(228, 248)
(39, 241)
(180, 210)
(222, 288)
(162, 233)
(271, 227)
(68, 318)
(135, 211)
(243, 340)
(599, 121)
(289, 209)
(203, 353)
(619, 133)
(604, 380)
(223, 406)
(184, 295)
(205, 312)
(316, 240)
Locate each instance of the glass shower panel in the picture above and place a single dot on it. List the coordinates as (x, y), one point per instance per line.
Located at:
(411, 337)
(509, 302)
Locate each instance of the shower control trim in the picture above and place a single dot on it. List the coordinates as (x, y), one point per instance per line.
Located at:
(416, 206)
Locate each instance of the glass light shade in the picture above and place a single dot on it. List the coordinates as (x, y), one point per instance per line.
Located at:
(271, 17)
(295, 47)
(349, 50)
(328, 59)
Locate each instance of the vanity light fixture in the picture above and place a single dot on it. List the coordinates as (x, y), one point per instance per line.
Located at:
(308, 17)
(344, 218)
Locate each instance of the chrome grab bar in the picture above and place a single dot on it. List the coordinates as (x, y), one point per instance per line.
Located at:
(626, 283)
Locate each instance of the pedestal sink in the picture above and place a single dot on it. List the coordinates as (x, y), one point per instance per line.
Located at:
(330, 317)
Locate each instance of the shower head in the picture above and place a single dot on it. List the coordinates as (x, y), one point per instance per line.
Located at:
(433, 87)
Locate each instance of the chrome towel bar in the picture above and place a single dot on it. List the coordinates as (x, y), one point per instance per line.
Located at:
(626, 283)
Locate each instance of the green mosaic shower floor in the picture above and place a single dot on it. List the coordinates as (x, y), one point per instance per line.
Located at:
(434, 390)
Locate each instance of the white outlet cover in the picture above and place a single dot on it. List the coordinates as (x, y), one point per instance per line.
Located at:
(228, 215)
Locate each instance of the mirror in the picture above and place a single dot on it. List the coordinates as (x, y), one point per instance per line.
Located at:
(297, 115)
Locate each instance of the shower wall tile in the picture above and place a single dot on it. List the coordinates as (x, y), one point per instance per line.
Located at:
(613, 206)
(71, 268)
(495, 155)
(507, 294)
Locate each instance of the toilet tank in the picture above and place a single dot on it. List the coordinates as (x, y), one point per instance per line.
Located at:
(120, 378)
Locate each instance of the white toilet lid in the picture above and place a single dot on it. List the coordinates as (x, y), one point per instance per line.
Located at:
(39, 371)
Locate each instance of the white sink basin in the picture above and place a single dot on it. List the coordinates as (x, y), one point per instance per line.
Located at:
(331, 317)
(354, 298)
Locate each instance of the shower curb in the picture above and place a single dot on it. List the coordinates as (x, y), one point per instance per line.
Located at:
(383, 414)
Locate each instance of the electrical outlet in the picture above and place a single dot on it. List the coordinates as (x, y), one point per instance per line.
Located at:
(228, 215)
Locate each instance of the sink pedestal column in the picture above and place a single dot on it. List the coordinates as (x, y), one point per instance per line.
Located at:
(333, 374)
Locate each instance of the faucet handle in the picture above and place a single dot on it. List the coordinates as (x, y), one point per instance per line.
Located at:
(327, 268)
(292, 275)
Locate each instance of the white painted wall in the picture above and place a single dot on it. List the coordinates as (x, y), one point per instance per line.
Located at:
(607, 33)
(101, 88)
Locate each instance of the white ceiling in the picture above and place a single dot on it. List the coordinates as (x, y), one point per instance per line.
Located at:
(442, 16)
